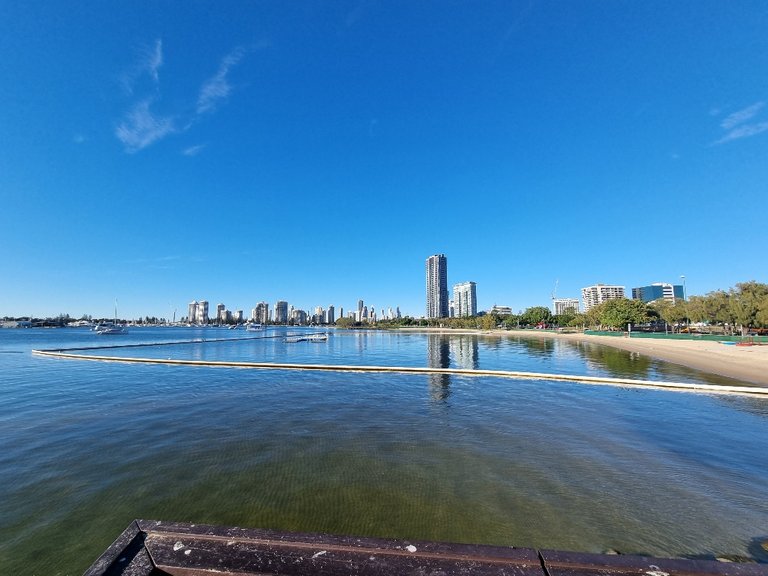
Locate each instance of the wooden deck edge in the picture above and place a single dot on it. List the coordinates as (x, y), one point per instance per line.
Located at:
(153, 548)
(126, 556)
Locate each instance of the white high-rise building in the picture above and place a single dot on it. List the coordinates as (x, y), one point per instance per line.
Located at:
(198, 312)
(260, 313)
(500, 310)
(465, 299)
(563, 305)
(599, 293)
(281, 312)
(437, 286)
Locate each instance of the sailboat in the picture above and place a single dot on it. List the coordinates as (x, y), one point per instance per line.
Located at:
(111, 328)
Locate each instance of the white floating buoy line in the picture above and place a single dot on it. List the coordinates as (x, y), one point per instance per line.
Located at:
(756, 391)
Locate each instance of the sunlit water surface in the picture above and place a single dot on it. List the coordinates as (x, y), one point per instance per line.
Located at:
(85, 447)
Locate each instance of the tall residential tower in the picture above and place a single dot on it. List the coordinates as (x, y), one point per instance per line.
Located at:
(465, 299)
(599, 293)
(564, 305)
(437, 286)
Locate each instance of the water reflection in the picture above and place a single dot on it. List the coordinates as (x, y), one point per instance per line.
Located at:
(618, 362)
(538, 346)
(361, 338)
(439, 356)
(463, 352)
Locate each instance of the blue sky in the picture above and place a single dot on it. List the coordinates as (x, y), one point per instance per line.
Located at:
(319, 152)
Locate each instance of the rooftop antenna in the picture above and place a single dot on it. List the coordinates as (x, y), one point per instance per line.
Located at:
(554, 292)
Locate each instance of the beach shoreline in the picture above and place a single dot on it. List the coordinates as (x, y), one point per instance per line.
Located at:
(743, 363)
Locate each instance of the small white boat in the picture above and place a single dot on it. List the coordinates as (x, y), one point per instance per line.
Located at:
(317, 337)
(110, 328)
(254, 327)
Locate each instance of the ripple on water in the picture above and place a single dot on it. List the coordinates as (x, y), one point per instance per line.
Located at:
(89, 446)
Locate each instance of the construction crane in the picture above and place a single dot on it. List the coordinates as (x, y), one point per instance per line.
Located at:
(554, 292)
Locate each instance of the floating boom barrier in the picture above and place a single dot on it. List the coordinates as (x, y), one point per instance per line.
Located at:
(70, 353)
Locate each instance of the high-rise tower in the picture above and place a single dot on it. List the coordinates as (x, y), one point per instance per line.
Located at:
(281, 312)
(599, 293)
(437, 286)
(465, 299)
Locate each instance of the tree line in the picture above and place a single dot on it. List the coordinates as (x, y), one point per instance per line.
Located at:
(743, 307)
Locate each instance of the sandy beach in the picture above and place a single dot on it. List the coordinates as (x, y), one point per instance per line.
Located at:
(744, 363)
(748, 364)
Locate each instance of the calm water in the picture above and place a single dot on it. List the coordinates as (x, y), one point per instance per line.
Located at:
(85, 447)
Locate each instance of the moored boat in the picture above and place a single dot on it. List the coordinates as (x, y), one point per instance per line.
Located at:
(110, 328)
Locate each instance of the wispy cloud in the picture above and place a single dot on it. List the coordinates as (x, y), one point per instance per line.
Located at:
(744, 132)
(193, 150)
(155, 60)
(737, 124)
(217, 87)
(141, 127)
(150, 61)
(733, 120)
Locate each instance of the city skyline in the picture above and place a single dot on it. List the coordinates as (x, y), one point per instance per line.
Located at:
(463, 303)
(316, 153)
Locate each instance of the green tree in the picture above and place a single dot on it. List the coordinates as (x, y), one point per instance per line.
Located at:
(579, 320)
(672, 314)
(345, 323)
(718, 309)
(619, 312)
(592, 316)
(744, 303)
(696, 309)
(762, 312)
(489, 321)
(536, 315)
(565, 318)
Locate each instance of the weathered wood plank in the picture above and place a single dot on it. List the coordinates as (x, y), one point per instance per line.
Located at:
(560, 563)
(153, 548)
(126, 556)
(199, 548)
